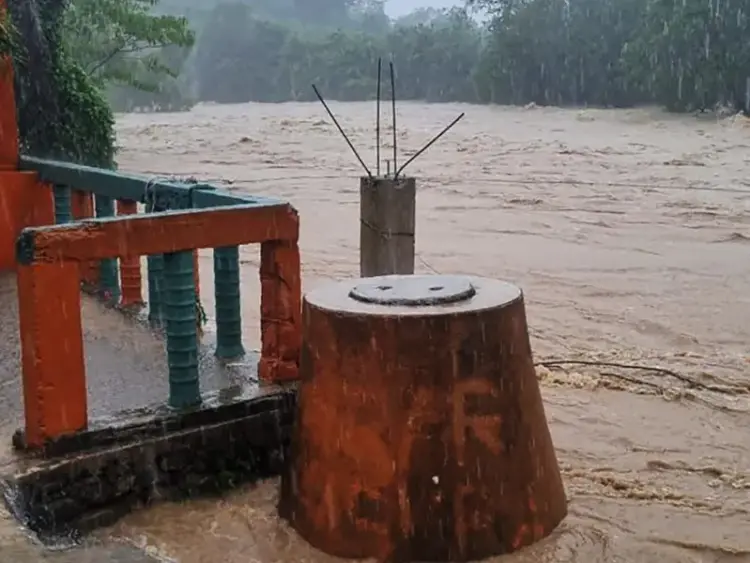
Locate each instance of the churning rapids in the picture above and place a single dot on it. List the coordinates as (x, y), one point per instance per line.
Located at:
(629, 231)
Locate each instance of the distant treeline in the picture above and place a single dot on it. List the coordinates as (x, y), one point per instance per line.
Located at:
(682, 54)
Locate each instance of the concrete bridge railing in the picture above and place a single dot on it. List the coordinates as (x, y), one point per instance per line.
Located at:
(64, 226)
(95, 231)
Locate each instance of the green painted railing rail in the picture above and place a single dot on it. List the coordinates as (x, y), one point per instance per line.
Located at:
(171, 290)
(136, 187)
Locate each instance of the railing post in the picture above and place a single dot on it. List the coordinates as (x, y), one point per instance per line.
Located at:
(130, 266)
(155, 267)
(196, 274)
(54, 378)
(82, 207)
(41, 206)
(181, 318)
(63, 212)
(197, 281)
(280, 311)
(228, 303)
(108, 283)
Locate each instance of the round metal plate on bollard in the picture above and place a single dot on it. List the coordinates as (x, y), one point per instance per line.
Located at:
(414, 291)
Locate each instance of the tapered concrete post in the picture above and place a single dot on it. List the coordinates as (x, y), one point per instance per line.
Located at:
(420, 432)
(387, 225)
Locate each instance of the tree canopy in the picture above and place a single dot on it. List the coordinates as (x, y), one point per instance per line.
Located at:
(66, 51)
(685, 55)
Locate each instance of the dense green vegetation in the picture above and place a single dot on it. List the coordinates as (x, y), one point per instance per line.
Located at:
(685, 55)
(269, 60)
(61, 112)
(131, 49)
(168, 54)
(66, 52)
(6, 35)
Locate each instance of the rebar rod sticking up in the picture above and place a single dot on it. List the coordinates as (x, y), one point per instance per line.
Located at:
(393, 110)
(427, 146)
(396, 169)
(377, 118)
(341, 130)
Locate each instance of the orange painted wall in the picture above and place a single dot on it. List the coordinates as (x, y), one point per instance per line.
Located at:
(17, 189)
(8, 123)
(23, 201)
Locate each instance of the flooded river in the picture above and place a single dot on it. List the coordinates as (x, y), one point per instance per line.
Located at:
(629, 232)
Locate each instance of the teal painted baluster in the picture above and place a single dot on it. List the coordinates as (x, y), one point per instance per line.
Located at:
(109, 281)
(155, 266)
(62, 205)
(228, 310)
(180, 315)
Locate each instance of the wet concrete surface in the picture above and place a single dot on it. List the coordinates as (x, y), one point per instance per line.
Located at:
(125, 369)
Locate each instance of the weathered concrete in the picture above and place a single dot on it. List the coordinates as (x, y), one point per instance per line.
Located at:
(235, 438)
(387, 223)
(126, 366)
(126, 371)
(421, 432)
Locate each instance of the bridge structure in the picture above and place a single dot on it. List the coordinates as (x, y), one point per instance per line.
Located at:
(74, 235)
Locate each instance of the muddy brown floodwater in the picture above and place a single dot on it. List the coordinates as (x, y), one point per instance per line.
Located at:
(629, 231)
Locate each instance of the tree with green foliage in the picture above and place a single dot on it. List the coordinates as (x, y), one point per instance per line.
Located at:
(685, 55)
(6, 34)
(134, 52)
(241, 57)
(123, 41)
(61, 112)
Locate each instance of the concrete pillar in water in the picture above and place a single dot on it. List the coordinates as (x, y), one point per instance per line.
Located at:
(421, 433)
(109, 284)
(387, 226)
(228, 303)
(180, 316)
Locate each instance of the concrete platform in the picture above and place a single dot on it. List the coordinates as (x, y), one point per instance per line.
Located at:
(125, 364)
(127, 382)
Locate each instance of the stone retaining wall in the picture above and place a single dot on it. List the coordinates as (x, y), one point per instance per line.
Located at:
(172, 457)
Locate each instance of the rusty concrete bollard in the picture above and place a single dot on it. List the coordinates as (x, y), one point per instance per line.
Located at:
(421, 433)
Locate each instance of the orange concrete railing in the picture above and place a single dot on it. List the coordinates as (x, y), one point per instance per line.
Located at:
(49, 258)
(52, 260)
